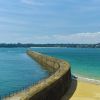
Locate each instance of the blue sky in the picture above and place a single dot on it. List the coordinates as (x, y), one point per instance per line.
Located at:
(50, 21)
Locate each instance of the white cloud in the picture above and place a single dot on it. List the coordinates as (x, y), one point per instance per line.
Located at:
(57, 38)
(65, 38)
(79, 38)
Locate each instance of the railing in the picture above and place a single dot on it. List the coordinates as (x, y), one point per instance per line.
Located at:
(53, 87)
(14, 92)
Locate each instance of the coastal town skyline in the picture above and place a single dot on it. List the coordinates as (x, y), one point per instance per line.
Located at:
(49, 21)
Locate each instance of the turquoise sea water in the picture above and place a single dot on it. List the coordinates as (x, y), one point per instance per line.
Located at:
(17, 70)
(85, 62)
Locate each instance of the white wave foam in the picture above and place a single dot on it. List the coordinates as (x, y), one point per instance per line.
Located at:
(86, 79)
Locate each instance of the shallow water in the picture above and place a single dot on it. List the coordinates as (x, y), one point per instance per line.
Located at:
(18, 70)
(85, 62)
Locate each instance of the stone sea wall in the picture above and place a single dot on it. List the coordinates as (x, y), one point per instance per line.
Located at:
(51, 88)
(57, 84)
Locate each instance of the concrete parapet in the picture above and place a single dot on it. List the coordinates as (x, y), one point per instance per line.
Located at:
(52, 88)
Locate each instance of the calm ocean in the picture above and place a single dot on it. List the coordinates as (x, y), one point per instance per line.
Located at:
(17, 70)
(85, 62)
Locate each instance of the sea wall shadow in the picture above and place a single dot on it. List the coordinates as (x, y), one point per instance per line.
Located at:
(71, 90)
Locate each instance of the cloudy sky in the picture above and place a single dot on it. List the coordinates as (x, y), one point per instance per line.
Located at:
(50, 21)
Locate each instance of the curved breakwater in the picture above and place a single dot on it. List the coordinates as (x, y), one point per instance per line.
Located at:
(52, 88)
(85, 62)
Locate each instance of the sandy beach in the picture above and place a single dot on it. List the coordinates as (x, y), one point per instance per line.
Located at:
(82, 90)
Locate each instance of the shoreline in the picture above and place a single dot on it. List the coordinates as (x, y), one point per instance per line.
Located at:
(86, 79)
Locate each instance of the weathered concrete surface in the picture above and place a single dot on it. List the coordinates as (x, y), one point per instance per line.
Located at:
(52, 88)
